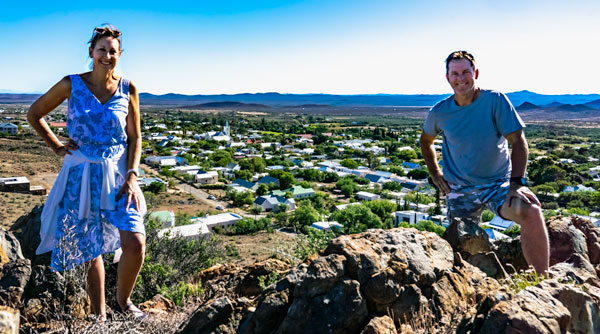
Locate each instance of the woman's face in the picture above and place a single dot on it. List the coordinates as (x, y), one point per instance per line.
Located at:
(106, 53)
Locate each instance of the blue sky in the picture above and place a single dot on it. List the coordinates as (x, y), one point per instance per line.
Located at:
(338, 47)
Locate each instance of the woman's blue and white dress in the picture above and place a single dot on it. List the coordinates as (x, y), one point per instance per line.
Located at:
(82, 217)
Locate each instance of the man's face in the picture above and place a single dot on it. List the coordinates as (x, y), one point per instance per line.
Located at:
(461, 76)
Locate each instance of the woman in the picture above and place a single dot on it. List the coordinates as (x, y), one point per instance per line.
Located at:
(95, 205)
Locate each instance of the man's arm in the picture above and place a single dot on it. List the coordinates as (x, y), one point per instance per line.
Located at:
(518, 157)
(428, 152)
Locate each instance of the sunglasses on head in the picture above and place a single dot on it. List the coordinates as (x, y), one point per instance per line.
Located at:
(107, 31)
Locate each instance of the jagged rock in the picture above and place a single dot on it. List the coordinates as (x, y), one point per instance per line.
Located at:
(380, 325)
(251, 283)
(585, 313)
(15, 275)
(269, 315)
(592, 236)
(532, 310)
(467, 238)
(9, 320)
(341, 310)
(10, 248)
(565, 240)
(209, 317)
(322, 274)
(577, 268)
(27, 231)
(509, 252)
(158, 304)
(489, 264)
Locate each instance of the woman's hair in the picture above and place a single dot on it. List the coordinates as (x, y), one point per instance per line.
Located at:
(105, 30)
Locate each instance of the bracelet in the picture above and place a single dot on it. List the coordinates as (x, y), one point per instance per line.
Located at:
(134, 171)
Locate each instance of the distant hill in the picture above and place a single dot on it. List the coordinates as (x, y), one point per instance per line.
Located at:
(226, 104)
(594, 104)
(316, 101)
(527, 106)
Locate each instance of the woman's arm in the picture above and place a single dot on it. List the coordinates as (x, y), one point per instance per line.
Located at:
(134, 148)
(44, 105)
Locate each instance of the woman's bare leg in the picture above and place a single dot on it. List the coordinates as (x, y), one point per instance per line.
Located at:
(133, 245)
(95, 286)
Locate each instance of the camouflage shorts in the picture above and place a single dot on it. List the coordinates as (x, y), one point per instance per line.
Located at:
(468, 202)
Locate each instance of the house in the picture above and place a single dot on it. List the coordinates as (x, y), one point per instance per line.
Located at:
(191, 231)
(409, 216)
(326, 226)
(210, 177)
(271, 203)
(341, 207)
(268, 180)
(167, 218)
(581, 187)
(222, 219)
(143, 182)
(375, 178)
(441, 220)
(163, 161)
(19, 184)
(495, 235)
(500, 224)
(410, 165)
(9, 128)
(366, 196)
(192, 170)
(300, 192)
(245, 184)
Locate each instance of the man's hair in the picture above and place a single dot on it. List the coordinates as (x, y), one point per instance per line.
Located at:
(457, 55)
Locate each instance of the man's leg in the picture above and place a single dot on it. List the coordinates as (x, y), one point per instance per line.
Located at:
(534, 237)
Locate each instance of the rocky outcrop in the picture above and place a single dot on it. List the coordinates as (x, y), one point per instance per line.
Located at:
(10, 248)
(403, 280)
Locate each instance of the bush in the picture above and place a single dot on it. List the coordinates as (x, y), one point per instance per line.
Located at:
(513, 231)
(168, 263)
(425, 225)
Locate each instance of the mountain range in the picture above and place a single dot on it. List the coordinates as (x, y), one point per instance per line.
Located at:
(533, 100)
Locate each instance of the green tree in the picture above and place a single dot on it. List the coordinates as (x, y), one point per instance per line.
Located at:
(262, 189)
(349, 163)
(487, 215)
(256, 210)
(244, 174)
(382, 208)
(305, 215)
(357, 218)
(418, 174)
(221, 158)
(286, 180)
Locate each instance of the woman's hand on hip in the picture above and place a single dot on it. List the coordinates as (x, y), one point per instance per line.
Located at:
(65, 149)
(129, 190)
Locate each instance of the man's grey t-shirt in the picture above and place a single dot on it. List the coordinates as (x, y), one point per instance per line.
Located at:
(474, 150)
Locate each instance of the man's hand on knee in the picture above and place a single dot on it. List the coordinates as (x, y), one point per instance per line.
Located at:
(523, 193)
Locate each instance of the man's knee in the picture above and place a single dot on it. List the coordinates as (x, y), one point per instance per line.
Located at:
(526, 213)
(136, 244)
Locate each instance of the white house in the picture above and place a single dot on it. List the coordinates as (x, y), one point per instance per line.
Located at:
(366, 196)
(209, 177)
(161, 161)
(198, 230)
(222, 219)
(409, 216)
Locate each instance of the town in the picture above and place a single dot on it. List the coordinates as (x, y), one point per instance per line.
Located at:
(254, 171)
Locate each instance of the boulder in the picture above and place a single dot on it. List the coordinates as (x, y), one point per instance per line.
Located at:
(14, 279)
(532, 310)
(467, 238)
(584, 311)
(208, 317)
(9, 320)
(27, 230)
(380, 325)
(565, 240)
(10, 248)
(509, 252)
(157, 305)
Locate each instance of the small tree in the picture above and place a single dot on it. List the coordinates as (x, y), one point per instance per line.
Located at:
(262, 189)
(256, 210)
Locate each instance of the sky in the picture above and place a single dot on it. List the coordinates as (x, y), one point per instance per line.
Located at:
(321, 46)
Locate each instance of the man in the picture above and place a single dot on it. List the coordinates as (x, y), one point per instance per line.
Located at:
(476, 126)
